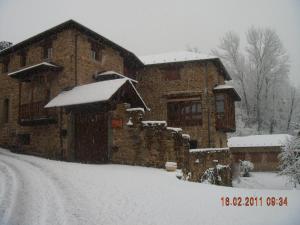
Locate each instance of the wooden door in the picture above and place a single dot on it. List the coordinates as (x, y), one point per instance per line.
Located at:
(91, 139)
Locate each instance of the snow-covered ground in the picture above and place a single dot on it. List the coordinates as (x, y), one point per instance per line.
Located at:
(35, 191)
(264, 180)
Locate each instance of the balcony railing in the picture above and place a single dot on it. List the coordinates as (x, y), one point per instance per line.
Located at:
(35, 114)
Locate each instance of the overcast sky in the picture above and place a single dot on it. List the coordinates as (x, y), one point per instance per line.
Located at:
(155, 26)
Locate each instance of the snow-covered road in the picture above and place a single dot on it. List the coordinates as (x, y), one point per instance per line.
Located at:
(35, 191)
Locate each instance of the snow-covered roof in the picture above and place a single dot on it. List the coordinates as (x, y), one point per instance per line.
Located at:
(107, 73)
(28, 68)
(259, 140)
(208, 150)
(226, 87)
(169, 57)
(223, 87)
(90, 93)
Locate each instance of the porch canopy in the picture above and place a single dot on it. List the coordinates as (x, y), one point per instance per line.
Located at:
(104, 91)
(30, 70)
(227, 89)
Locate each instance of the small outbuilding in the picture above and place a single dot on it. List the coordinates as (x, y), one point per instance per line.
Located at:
(261, 150)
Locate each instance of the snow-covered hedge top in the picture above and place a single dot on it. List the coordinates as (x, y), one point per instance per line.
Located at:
(170, 57)
(208, 150)
(154, 123)
(135, 109)
(186, 136)
(175, 129)
(259, 140)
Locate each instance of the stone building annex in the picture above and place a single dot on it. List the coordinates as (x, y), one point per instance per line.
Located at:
(69, 93)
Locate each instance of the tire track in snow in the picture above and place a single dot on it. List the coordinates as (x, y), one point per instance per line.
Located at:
(8, 192)
(35, 198)
(75, 206)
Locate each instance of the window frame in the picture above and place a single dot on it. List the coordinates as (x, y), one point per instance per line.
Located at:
(218, 102)
(95, 52)
(185, 113)
(47, 50)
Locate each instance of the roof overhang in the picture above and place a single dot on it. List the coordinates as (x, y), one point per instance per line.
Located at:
(28, 71)
(98, 92)
(223, 88)
(129, 56)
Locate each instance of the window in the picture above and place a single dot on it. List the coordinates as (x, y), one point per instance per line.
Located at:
(184, 113)
(5, 64)
(47, 50)
(172, 73)
(220, 105)
(193, 144)
(24, 139)
(95, 52)
(23, 56)
(6, 110)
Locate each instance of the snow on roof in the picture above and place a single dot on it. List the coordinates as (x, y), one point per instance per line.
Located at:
(32, 67)
(228, 87)
(208, 150)
(180, 56)
(89, 93)
(223, 86)
(111, 72)
(259, 140)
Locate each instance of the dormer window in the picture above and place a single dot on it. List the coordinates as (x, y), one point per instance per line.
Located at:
(47, 50)
(23, 58)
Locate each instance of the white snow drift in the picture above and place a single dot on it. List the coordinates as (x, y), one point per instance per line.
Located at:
(35, 191)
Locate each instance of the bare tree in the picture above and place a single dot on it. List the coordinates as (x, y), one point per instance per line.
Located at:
(4, 45)
(292, 107)
(229, 52)
(267, 61)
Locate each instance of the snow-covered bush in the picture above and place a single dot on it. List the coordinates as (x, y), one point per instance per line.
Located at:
(290, 160)
(209, 176)
(245, 168)
(214, 175)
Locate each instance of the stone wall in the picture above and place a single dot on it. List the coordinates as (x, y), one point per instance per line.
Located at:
(156, 89)
(196, 162)
(145, 143)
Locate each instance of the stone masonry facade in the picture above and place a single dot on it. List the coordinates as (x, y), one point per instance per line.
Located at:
(139, 143)
(156, 91)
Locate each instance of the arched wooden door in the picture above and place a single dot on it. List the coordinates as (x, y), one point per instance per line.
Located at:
(91, 137)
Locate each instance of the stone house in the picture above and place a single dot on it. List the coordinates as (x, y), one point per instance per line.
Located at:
(261, 150)
(188, 90)
(69, 93)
